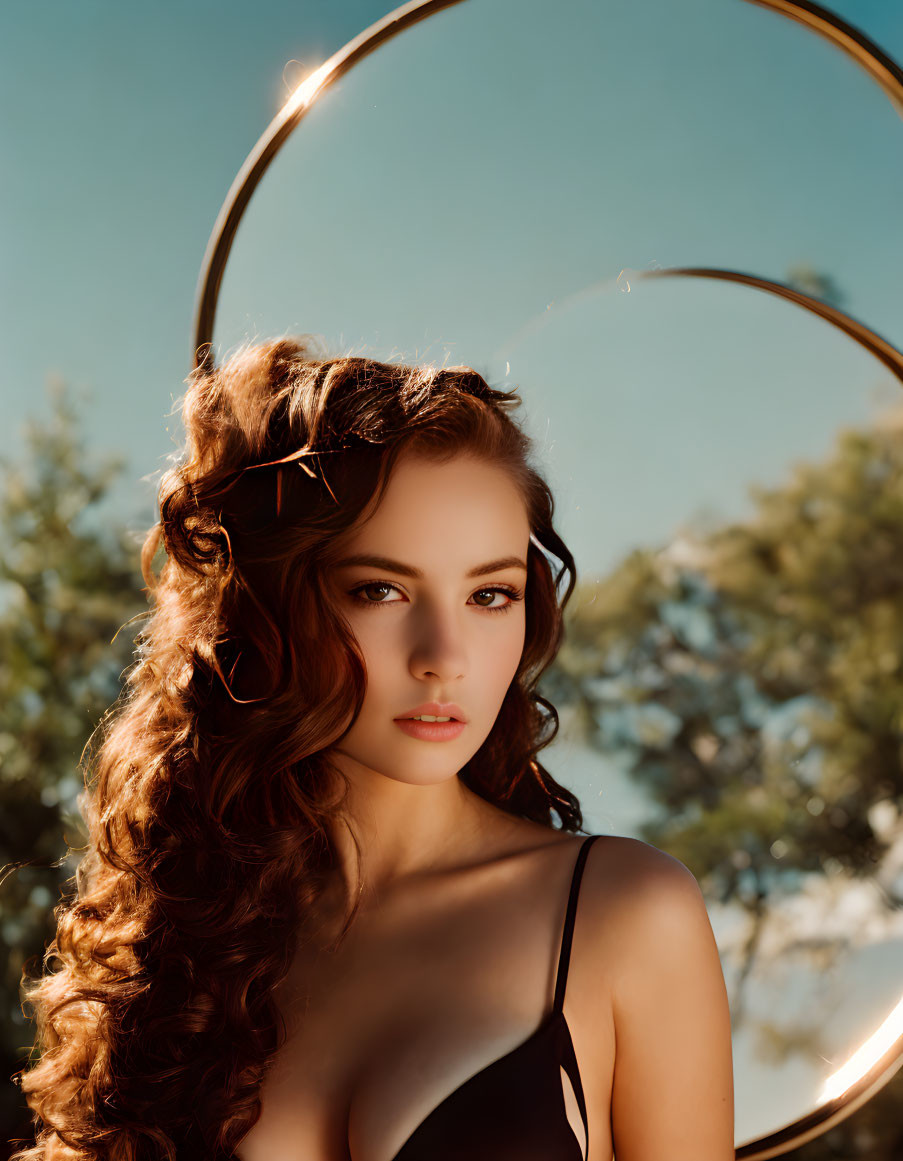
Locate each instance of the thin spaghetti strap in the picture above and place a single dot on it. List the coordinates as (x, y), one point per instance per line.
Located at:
(564, 954)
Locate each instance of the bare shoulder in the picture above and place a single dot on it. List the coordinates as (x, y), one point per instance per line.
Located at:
(648, 935)
(620, 862)
(647, 900)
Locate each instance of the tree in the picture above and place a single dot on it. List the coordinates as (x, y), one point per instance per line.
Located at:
(750, 678)
(816, 283)
(67, 585)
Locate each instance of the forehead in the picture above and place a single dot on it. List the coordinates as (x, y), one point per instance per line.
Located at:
(461, 511)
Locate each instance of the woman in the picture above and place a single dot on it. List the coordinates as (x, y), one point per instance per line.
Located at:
(313, 923)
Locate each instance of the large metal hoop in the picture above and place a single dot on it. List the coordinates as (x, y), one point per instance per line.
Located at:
(859, 48)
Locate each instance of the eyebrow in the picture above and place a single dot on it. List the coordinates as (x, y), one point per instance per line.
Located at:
(396, 566)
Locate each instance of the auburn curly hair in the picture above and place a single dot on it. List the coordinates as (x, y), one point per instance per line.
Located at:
(207, 787)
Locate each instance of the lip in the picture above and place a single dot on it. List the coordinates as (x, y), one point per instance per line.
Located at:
(436, 709)
(430, 731)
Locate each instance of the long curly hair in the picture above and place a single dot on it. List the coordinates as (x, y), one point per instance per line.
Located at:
(208, 790)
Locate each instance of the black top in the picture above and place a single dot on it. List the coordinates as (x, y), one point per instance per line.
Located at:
(513, 1109)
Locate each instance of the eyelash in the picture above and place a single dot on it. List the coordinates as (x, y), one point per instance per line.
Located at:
(515, 595)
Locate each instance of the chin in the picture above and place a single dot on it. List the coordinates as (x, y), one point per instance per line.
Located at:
(417, 770)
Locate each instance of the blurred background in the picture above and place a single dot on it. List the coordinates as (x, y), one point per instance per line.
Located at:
(731, 684)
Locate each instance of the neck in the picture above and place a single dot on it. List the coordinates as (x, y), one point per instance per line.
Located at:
(405, 831)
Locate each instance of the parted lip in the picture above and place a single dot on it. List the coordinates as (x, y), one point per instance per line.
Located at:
(437, 709)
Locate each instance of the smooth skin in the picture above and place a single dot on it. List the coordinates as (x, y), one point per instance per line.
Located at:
(443, 636)
(646, 1001)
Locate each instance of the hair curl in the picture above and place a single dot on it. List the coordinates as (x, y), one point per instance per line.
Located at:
(208, 790)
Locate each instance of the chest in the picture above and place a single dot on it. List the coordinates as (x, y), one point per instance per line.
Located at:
(426, 1023)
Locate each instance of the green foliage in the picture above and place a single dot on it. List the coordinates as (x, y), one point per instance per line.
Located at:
(751, 677)
(66, 587)
(815, 283)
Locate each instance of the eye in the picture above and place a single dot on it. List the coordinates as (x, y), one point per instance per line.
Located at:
(513, 596)
(372, 585)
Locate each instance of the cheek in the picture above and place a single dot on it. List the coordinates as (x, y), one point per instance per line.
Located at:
(380, 643)
(370, 634)
(493, 653)
(500, 653)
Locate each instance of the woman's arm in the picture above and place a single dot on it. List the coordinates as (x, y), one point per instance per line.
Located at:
(673, 1094)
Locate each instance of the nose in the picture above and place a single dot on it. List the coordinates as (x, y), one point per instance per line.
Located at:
(438, 649)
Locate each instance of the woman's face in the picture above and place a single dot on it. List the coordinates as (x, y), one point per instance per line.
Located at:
(438, 612)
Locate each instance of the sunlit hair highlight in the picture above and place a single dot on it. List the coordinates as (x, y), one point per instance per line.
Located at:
(210, 794)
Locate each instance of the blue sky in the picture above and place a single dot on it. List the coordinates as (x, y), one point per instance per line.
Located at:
(461, 198)
(129, 123)
(125, 125)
